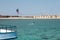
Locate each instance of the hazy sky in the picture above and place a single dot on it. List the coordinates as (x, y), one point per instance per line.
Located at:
(30, 7)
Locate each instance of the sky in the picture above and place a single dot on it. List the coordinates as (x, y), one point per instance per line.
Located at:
(30, 7)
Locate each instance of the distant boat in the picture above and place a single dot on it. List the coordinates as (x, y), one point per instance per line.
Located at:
(31, 23)
(7, 32)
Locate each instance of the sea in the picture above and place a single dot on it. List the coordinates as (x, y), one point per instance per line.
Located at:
(35, 29)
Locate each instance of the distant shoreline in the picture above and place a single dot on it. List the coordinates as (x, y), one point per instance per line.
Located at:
(31, 17)
(17, 18)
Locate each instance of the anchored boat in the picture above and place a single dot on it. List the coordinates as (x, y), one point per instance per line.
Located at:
(7, 32)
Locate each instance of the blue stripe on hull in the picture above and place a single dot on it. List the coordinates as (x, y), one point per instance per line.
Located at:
(8, 35)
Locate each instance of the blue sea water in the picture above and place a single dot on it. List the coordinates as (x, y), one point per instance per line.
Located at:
(35, 29)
